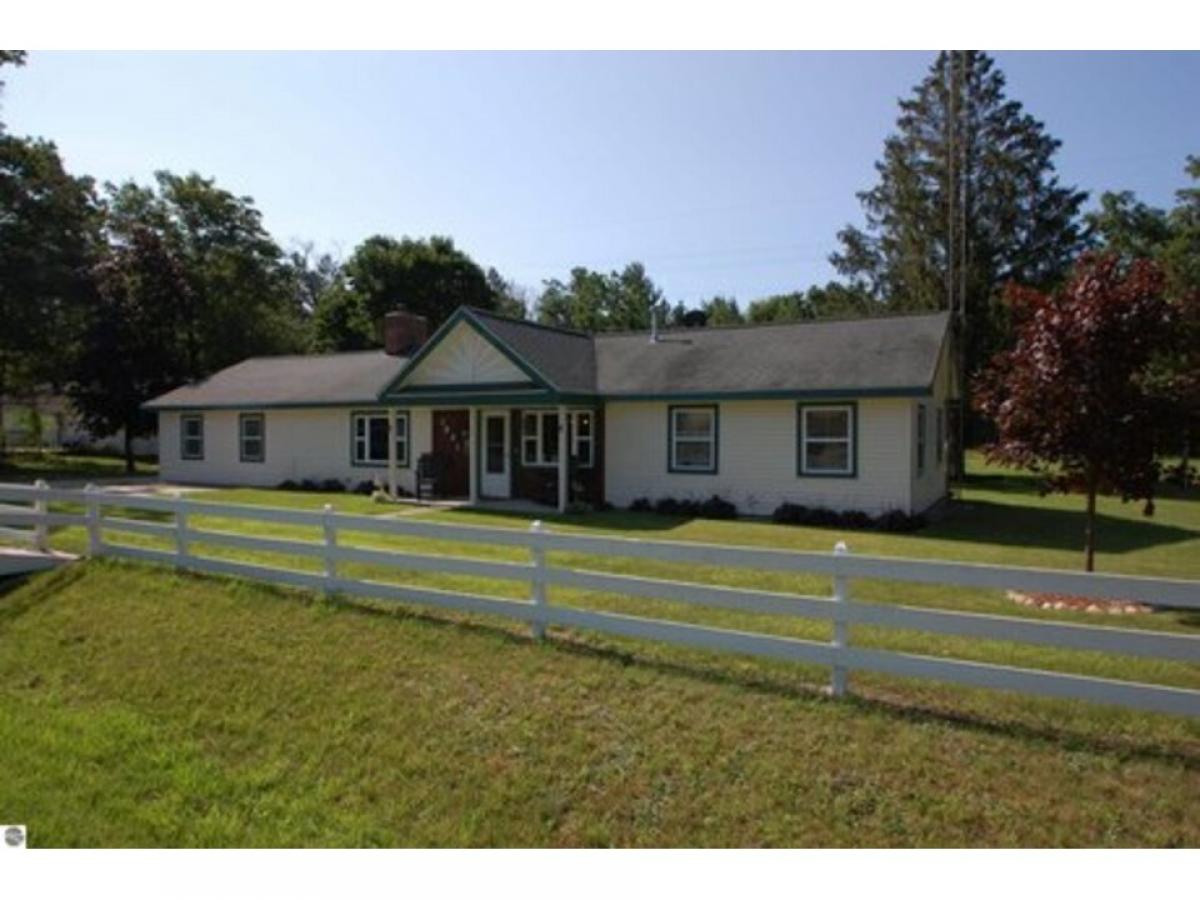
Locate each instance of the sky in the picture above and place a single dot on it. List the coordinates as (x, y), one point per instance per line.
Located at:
(724, 173)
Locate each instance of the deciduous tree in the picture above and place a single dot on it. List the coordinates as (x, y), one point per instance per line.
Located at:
(1070, 399)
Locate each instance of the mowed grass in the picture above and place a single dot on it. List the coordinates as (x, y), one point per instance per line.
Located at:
(29, 465)
(145, 707)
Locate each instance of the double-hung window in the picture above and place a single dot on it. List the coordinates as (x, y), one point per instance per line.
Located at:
(369, 438)
(540, 438)
(252, 437)
(191, 436)
(827, 439)
(922, 427)
(692, 439)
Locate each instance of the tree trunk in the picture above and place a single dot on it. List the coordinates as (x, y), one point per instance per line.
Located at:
(129, 466)
(1089, 534)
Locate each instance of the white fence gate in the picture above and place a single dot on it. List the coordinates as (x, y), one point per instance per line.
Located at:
(27, 506)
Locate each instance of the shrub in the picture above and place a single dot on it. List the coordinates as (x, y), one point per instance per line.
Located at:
(333, 486)
(641, 504)
(308, 484)
(896, 520)
(288, 485)
(716, 507)
(366, 488)
(821, 517)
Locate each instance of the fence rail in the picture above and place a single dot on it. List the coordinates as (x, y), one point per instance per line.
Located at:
(27, 508)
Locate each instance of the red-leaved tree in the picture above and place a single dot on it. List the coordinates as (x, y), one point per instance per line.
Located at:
(1070, 398)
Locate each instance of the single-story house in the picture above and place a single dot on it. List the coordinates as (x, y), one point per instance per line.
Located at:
(842, 414)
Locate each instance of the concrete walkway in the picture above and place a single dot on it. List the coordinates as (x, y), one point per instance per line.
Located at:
(20, 561)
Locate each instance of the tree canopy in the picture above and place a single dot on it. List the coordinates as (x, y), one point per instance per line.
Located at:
(596, 301)
(1070, 399)
(967, 200)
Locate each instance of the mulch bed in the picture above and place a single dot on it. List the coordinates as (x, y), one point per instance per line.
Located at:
(1079, 604)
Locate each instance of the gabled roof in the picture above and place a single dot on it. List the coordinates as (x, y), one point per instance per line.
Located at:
(897, 354)
(566, 359)
(327, 379)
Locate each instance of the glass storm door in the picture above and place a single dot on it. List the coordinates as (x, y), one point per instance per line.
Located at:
(495, 475)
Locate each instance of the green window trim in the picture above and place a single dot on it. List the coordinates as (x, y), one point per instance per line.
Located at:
(713, 440)
(261, 437)
(363, 441)
(184, 438)
(802, 470)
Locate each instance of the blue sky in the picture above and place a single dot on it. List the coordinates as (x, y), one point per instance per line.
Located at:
(722, 172)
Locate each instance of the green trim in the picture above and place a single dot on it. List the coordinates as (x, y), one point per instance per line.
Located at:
(716, 411)
(262, 437)
(473, 386)
(183, 454)
(376, 412)
(457, 401)
(775, 394)
(800, 471)
(464, 314)
(315, 404)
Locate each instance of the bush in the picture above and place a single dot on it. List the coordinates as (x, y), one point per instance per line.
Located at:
(641, 504)
(716, 507)
(333, 486)
(366, 488)
(820, 517)
(288, 485)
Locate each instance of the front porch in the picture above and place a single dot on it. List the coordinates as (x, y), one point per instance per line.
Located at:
(526, 458)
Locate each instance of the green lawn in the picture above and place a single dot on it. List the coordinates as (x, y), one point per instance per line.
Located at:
(27, 465)
(141, 706)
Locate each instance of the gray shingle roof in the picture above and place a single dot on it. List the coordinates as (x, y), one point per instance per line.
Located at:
(877, 354)
(566, 358)
(333, 378)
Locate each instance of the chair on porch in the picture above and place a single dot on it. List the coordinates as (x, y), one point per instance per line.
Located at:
(431, 471)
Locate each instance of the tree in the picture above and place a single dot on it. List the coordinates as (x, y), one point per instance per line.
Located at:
(132, 348)
(243, 298)
(10, 58)
(341, 321)
(834, 300)
(722, 311)
(48, 238)
(1069, 400)
(595, 301)
(509, 298)
(1132, 230)
(967, 200)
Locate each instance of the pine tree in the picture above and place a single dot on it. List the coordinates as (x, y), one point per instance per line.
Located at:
(967, 201)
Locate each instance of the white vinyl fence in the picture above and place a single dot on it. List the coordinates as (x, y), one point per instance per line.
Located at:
(23, 505)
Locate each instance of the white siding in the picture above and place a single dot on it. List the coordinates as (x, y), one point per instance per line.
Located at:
(931, 486)
(300, 443)
(464, 357)
(757, 457)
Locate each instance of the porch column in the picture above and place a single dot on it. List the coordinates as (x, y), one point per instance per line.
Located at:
(473, 452)
(564, 454)
(391, 452)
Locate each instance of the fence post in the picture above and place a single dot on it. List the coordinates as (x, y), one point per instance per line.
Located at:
(330, 527)
(181, 531)
(41, 531)
(92, 501)
(538, 580)
(841, 631)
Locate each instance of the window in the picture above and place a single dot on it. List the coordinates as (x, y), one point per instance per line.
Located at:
(252, 437)
(692, 439)
(940, 447)
(827, 440)
(191, 441)
(921, 429)
(582, 438)
(539, 437)
(369, 438)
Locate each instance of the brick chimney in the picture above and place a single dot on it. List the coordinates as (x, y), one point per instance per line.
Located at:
(403, 332)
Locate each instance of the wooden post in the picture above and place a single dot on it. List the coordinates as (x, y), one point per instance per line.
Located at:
(841, 631)
(41, 531)
(330, 527)
(538, 596)
(181, 531)
(95, 541)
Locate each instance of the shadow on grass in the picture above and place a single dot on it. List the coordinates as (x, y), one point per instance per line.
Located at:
(1026, 483)
(981, 521)
(891, 707)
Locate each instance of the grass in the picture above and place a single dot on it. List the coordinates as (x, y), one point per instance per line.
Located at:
(26, 465)
(146, 707)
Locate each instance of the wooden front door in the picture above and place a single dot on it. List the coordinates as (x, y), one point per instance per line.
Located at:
(451, 434)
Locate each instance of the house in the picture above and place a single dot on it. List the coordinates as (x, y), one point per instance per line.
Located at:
(843, 414)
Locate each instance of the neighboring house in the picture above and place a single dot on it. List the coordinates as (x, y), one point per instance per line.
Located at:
(46, 420)
(843, 414)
